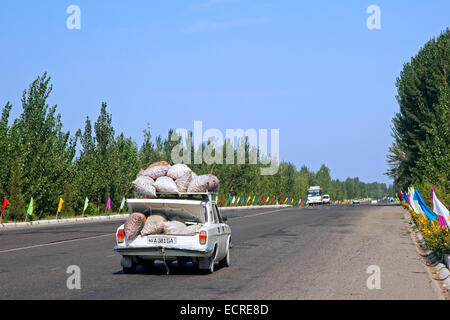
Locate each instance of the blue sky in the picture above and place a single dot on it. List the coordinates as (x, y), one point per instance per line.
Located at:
(311, 69)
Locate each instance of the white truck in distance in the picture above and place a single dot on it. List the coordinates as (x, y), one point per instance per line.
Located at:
(315, 195)
(210, 244)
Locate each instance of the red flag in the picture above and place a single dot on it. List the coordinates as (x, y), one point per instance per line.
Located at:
(271, 200)
(281, 199)
(223, 198)
(5, 203)
(264, 199)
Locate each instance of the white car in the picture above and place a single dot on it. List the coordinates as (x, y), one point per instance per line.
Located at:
(326, 199)
(356, 201)
(210, 244)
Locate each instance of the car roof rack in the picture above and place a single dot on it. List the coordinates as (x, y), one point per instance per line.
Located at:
(210, 195)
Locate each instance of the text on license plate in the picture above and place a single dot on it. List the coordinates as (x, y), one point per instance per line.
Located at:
(162, 240)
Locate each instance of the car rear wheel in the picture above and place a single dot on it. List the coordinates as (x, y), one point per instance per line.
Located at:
(129, 270)
(225, 262)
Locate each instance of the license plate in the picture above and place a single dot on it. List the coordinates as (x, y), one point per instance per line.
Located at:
(162, 240)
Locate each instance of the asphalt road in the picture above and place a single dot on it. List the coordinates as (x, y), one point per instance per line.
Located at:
(293, 253)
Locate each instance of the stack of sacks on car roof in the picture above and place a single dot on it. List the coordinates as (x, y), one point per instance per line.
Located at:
(179, 178)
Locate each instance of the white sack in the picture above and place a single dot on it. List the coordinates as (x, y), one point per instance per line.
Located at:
(154, 225)
(178, 170)
(183, 182)
(144, 185)
(174, 227)
(165, 184)
(204, 183)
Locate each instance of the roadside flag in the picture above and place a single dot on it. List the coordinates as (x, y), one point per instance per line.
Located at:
(271, 200)
(243, 199)
(229, 198)
(86, 203)
(223, 198)
(264, 199)
(122, 204)
(258, 200)
(281, 200)
(440, 210)
(108, 204)
(61, 201)
(5, 203)
(234, 199)
(30, 207)
(430, 214)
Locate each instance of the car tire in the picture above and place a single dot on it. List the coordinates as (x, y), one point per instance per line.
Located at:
(129, 270)
(225, 262)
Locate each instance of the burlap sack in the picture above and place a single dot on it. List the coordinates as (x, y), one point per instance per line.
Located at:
(154, 225)
(204, 183)
(178, 170)
(183, 182)
(133, 225)
(156, 170)
(174, 227)
(192, 229)
(165, 184)
(144, 185)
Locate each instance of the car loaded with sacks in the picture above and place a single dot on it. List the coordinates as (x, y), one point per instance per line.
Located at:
(171, 225)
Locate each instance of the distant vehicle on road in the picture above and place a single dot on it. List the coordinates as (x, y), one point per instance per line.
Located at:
(315, 195)
(210, 242)
(356, 201)
(374, 201)
(326, 199)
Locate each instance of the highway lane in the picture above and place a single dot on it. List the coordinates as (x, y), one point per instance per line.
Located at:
(294, 253)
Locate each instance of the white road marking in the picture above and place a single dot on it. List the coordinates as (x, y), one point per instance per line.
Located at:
(258, 214)
(55, 243)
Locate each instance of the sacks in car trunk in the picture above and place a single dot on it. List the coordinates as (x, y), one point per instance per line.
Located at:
(133, 225)
(154, 225)
(174, 227)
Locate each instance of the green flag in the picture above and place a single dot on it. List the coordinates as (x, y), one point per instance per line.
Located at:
(30, 207)
(86, 202)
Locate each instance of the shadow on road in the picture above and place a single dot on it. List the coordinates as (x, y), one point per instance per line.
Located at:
(159, 269)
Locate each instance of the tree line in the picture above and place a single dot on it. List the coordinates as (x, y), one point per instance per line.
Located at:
(41, 160)
(419, 154)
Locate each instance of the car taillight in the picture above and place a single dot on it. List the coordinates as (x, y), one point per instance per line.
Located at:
(120, 236)
(202, 237)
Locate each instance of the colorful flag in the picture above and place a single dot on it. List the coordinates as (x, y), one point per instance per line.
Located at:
(5, 203)
(30, 207)
(61, 201)
(108, 204)
(86, 203)
(122, 204)
(440, 210)
(430, 214)
(229, 198)
(234, 199)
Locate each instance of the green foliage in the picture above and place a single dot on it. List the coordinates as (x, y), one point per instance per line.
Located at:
(39, 159)
(421, 128)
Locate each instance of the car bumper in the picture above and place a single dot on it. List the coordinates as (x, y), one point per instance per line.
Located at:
(163, 252)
